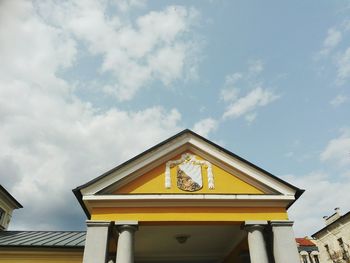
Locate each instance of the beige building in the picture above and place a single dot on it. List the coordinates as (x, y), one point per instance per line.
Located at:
(308, 250)
(7, 204)
(333, 240)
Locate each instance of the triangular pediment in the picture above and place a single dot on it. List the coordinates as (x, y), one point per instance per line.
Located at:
(186, 165)
(201, 177)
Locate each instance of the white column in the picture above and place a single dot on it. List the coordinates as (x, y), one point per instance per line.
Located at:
(96, 242)
(256, 242)
(125, 248)
(284, 245)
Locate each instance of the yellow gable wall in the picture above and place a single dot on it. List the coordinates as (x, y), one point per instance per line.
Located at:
(154, 182)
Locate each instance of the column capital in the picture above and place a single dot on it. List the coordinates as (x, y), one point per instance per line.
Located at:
(255, 222)
(98, 223)
(281, 223)
(254, 225)
(127, 225)
(126, 222)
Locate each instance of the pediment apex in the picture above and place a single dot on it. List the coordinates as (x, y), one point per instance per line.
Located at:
(184, 141)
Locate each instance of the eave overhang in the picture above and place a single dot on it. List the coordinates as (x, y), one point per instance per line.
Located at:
(9, 198)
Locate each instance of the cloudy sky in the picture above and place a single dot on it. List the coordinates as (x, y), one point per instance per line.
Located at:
(85, 85)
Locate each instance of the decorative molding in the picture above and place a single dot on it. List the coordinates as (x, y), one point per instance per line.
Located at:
(186, 200)
(136, 197)
(189, 158)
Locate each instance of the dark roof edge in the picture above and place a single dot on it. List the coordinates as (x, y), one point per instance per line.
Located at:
(78, 194)
(245, 161)
(11, 197)
(319, 231)
(298, 193)
(132, 159)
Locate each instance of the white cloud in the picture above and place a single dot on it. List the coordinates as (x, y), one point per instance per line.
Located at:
(338, 100)
(126, 5)
(256, 66)
(52, 141)
(20, 32)
(322, 194)
(157, 46)
(340, 56)
(343, 66)
(338, 150)
(230, 91)
(251, 117)
(168, 63)
(332, 40)
(205, 127)
(258, 97)
(324, 191)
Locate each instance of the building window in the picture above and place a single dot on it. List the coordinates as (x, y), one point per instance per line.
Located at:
(316, 260)
(327, 248)
(345, 253)
(328, 252)
(304, 257)
(341, 243)
(2, 214)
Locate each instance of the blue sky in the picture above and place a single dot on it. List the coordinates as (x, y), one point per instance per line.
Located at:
(85, 85)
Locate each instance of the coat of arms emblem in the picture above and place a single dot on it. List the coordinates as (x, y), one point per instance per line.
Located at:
(189, 173)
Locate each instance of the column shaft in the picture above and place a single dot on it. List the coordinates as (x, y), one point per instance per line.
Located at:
(284, 245)
(256, 242)
(125, 248)
(96, 242)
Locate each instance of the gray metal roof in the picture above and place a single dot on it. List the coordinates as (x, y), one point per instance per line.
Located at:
(59, 239)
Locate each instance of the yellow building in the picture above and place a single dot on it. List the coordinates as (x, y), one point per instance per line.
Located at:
(184, 200)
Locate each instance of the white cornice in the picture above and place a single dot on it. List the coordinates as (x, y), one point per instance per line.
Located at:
(93, 201)
(185, 197)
